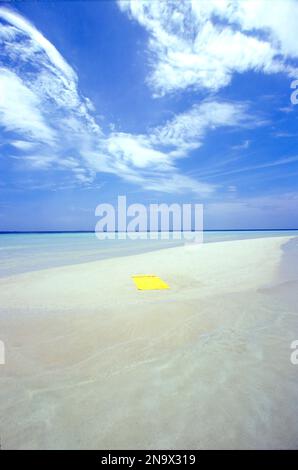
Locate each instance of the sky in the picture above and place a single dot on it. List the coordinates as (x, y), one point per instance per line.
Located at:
(161, 101)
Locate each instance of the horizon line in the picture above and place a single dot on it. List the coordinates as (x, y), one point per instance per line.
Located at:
(7, 232)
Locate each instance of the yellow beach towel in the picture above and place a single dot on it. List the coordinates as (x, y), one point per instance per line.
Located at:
(149, 282)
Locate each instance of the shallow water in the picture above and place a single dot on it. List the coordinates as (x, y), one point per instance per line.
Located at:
(178, 372)
(215, 373)
(24, 252)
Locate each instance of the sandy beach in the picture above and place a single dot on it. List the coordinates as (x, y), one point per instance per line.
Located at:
(93, 363)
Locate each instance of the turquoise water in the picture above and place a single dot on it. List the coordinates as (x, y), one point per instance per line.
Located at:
(23, 252)
(220, 360)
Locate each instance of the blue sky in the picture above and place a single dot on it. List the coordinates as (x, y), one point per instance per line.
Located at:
(160, 101)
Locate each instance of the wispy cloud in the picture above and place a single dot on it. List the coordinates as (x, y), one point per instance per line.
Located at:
(187, 130)
(20, 109)
(251, 168)
(158, 150)
(270, 211)
(40, 101)
(201, 44)
(244, 146)
(53, 125)
(36, 41)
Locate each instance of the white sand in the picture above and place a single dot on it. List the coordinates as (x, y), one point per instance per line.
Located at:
(93, 363)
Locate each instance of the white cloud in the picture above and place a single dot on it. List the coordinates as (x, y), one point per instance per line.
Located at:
(40, 101)
(37, 161)
(176, 183)
(201, 44)
(22, 144)
(19, 108)
(39, 42)
(279, 20)
(189, 128)
(136, 150)
(138, 156)
(55, 127)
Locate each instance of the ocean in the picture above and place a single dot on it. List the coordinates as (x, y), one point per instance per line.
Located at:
(26, 252)
(91, 362)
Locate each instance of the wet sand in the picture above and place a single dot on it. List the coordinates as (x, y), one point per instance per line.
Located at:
(91, 362)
